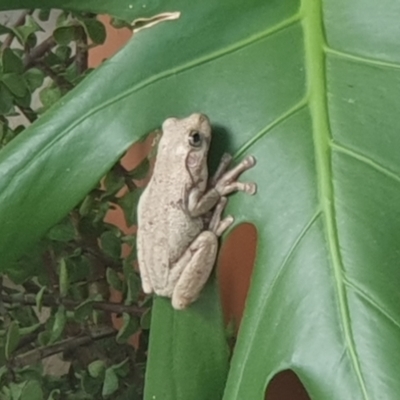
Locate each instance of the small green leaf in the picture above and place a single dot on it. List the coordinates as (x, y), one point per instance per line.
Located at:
(29, 329)
(52, 60)
(16, 390)
(23, 32)
(113, 279)
(31, 41)
(111, 383)
(84, 310)
(64, 231)
(3, 371)
(15, 83)
(6, 100)
(122, 368)
(32, 391)
(67, 34)
(141, 171)
(101, 212)
(129, 204)
(60, 319)
(90, 385)
(72, 73)
(49, 95)
(97, 369)
(132, 282)
(95, 30)
(87, 204)
(54, 394)
(113, 182)
(44, 338)
(62, 18)
(63, 278)
(24, 101)
(44, 15)
(130, 325)
(12, 339)
(63, 52)
(31, 373)
(4, 30)
(34, 78)
(79, 267)
(111, 245)
(145, 319)
(12, 63)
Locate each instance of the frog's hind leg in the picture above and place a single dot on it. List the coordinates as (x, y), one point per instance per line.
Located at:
(218, 225)
(194, 267)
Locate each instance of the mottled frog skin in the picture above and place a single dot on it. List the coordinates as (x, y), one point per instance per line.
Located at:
(179, 212)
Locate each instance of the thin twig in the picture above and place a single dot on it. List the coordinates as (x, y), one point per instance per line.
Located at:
(39, 51)
(81, 56)
(28, 113)
(34, 356)
(59, 80)
(121, 170)
(20, 21)
(50, 301)
(50, 265)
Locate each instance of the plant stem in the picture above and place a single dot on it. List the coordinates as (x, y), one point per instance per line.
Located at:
(34, 356)
(50, 301)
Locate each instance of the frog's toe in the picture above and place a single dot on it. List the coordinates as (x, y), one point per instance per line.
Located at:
(250, 188)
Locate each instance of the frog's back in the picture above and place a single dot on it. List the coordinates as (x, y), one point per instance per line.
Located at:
(165, 227)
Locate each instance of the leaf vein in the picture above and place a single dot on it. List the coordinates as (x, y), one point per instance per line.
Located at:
(366, 160)
(372, 302)
(360, 59)
(286, 115)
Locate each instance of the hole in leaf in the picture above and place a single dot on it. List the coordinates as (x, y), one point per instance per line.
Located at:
(286, 386)
(235, 268)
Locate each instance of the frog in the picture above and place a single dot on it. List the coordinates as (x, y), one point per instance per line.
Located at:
(180, 211)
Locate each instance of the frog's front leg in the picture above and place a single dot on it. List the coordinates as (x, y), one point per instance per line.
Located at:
(192, 270)
(223, 183)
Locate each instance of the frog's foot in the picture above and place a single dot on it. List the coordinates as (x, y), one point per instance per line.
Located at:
(227, 183)
(218, 225)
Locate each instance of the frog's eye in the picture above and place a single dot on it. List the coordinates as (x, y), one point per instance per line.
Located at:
(195, 139)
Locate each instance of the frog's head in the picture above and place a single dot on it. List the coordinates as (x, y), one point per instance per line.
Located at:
(189, 136)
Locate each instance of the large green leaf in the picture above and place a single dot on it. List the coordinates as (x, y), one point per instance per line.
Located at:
(310, 88)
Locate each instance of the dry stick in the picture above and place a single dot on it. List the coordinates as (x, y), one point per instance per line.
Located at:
(38, 52)
(121, 170)
(34, 356)
(50, 301)
(60, 81)
(20, 21)
(48, 259)
(81, 56)
(28, 113)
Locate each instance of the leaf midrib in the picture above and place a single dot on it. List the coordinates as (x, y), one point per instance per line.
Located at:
(314, 38)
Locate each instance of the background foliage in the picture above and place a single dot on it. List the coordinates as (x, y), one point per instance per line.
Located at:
(54, 299)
